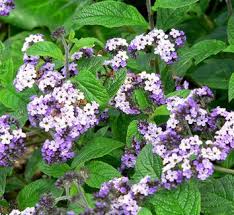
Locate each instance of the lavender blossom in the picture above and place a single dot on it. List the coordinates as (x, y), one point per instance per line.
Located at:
(6, 6)
(11, 140)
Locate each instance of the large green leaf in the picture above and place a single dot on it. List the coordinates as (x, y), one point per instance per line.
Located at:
(215, 73)
(231, 88)
(4, 172)
(115, 83)
(94, 64)
(217, 196)
(100, 172)
(45, 49)
(96, 148)
(29, 14)
(54, 170)
(148, 164)
(230, 30)
(183, 200)
(110, 14)
(31, 193)
(132, 132)
(86, 42)
(172, 4)
(92, 87)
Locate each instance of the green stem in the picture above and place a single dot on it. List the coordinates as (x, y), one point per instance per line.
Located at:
(66, 63)
(83, 197)
(62, 198)
(223, 170)
(229, 7)
(150, 14)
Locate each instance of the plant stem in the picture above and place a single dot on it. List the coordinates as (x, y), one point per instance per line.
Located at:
(61, 199)
(83, 196)
(66, 63)
(150, 14)
(224, 170)
(229, 7)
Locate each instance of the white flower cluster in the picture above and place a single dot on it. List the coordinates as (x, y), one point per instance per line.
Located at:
(27, 211)
(27, 72)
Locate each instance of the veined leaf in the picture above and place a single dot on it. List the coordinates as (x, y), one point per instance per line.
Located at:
(100, 172)
(110, 14)
(231, 88)
(96, 148)
(46, 49)
(172, 4)
(148, 164)
(183, 200)
(217, 196)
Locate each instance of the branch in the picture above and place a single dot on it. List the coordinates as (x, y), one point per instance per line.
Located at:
(150, 14)
(229, 7)
(223, 170)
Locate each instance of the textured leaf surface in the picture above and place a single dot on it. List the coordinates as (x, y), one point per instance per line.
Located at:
(215, 73)
(110, 14)
(173, 3)
(218, 196)
(184, 200)
(92, 87)
(98, 147)
(31, 193)
(100, 172)
(231, 88)
(54, 170)
(148, 164)
(230, 30)
(45, 49)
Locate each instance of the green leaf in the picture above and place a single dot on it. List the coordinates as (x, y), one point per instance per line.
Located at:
(110, 14)
(32, 164)
(229, 161)
(132, 131)
(141, 99)
(172, 4)
(215, 73)
(115, 83)
(231, 88)
(4, 172)
(54, 170)
(87, 42)
(183, 200)
(148, 164)
(29, 14)
(206, 48)
(45, 49)
(170, 18)
(100, 172)
(92, 87)
(230, 30)
(7, 72)
(180, 93)
(144, 211)
(93, 65)
(217, 196)
(96, 148)
(229, 49)
(31, 193)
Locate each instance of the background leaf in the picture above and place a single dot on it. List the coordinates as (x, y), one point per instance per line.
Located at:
(110, 14)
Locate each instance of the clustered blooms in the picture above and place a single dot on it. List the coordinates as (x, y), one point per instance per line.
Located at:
(165, 45)
(26, 211)
(27, 73)
(118, 196)
(65, 112)
(181, 84)
(11, 140)
(6, 6)
(192, 138)
(151, 83)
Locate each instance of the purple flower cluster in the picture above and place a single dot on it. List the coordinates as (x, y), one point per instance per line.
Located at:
(26, 211)
(11, 140)
(181, 84)
(151, 83)
(6, 6)
(65, 112)
(165, 45)
(192, 138)
(118, 196)
(27, 73)
(83, 52)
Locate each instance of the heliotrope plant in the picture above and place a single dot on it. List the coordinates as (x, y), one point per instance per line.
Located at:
(136, 119)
